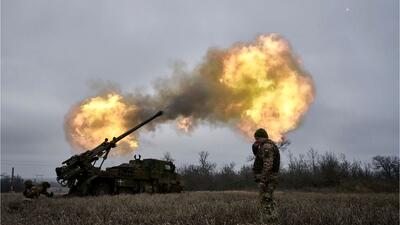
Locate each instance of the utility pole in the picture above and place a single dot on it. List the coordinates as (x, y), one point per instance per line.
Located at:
(12, 180)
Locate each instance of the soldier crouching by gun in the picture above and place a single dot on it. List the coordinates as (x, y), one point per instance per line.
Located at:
(266, 168)
(34, 191)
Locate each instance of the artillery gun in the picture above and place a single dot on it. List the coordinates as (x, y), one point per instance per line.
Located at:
(81, 175)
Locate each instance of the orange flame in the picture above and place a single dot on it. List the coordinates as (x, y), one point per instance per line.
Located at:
(98, 118)
(277, 93)
(185, 124)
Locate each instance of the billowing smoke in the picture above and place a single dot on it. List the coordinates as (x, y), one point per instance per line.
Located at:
(250, 85)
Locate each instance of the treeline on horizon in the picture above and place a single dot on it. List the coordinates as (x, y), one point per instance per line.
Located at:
(306, 172)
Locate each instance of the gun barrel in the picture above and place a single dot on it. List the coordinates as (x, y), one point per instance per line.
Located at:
(159, 113)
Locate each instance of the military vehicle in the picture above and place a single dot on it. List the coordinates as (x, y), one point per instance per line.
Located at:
(147, 175)
(81, 175)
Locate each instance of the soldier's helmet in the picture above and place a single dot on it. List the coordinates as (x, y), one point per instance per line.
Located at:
(28, 184)
(45, 184)
(261, 133)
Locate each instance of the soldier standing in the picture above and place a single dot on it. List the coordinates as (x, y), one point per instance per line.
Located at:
(266, 168)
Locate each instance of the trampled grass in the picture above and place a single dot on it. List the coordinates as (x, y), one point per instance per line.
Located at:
(230, 207)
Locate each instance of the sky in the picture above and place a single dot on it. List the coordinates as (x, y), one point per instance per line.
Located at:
(52, 51)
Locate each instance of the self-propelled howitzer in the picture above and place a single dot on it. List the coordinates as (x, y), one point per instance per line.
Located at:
(80, 172)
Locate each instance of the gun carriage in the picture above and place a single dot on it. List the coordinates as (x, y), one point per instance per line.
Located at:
(81, 175)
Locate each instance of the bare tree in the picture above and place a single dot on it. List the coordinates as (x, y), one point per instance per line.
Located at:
(313, 158)
(388, 165)
(344, 166)
(228, 169)
(167, 157)
(367, 169)
(206, 167)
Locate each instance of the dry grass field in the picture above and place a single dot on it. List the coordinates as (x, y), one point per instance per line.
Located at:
(230, 207)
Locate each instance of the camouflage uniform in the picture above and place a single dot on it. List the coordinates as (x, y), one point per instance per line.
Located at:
(266, 168)
(34, 191)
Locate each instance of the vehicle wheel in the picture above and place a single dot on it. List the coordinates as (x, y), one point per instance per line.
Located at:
(125, 191)
(164, 188)
(101, 189)
(155, 187)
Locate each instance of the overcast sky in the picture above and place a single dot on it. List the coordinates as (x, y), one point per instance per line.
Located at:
(51, 50)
